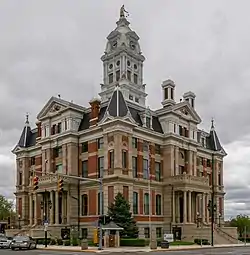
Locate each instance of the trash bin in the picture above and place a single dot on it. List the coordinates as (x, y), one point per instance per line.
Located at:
(84, 244)
(165, 244)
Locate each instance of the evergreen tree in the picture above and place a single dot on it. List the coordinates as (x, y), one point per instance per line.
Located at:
(6, 208)
(120, 213)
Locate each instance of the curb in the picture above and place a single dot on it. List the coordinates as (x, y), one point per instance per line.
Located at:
(68, 250)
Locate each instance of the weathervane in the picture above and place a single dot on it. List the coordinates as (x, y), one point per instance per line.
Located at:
(123, 11)
(27, 118)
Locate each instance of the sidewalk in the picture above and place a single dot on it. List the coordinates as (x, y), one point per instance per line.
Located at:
(133, 249)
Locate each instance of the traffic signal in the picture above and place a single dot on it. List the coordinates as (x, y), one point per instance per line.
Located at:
(60, 185)
(211, 207)
(35, 183)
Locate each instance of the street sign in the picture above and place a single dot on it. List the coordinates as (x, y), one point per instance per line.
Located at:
(168, 237)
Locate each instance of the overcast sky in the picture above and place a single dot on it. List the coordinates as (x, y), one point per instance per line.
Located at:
(49, 47)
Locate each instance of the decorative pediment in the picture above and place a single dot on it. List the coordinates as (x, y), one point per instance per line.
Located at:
(186, 111)
(108, 118)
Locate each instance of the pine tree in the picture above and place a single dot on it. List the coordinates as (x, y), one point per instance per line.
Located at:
(120, 213)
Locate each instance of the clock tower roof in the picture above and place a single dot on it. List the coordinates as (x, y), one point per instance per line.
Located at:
(122, 36)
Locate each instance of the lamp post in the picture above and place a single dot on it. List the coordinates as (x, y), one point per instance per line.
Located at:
(197, 219)
(220, 220)
(19, 221)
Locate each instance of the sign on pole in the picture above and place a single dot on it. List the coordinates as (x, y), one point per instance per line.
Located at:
(168, 237)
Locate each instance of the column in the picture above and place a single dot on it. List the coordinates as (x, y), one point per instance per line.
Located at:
(173, 206)
(64, 163)
(203, 207)
(63, 208)
(68, 208)
(35, 209)
(31, 209)
(207, 198)
(189, 206)
(195, 163)
(190, 153)
(184, 206)
(176, 160)
(52, 208)
(56, 207)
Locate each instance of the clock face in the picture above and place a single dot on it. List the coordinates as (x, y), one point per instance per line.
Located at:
(132, 45)
(114, 44)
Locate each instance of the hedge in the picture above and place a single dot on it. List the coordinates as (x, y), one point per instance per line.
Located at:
(202, 241)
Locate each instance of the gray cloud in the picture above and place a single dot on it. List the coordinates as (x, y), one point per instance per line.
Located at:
(54, 47)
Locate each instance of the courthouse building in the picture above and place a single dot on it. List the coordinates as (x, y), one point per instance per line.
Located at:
(158, 159)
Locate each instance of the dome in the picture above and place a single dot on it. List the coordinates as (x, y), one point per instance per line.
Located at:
(123, 37)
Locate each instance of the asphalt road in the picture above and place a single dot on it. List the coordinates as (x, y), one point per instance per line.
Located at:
(213, 251)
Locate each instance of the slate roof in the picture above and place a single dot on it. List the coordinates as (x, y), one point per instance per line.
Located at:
(214, 141)
(118, 107)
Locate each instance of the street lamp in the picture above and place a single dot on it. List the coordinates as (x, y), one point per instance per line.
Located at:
(198, 219)
(220, 220)
(19, 221)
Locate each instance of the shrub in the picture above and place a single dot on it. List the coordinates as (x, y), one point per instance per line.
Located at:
(59, 242)
(133, 242)
(74, 242)
(201, 241)
(52, 242)
(66, 242)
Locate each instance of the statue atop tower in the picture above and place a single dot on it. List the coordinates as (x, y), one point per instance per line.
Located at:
(123, 11)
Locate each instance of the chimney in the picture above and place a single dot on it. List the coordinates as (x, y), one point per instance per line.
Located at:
(190, 98)
(168, 91)
(95, 108)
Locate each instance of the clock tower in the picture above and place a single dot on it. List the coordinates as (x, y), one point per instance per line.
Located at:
(123, 63)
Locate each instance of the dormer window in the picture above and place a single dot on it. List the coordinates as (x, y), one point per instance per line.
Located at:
(137, 100)
(130, 97)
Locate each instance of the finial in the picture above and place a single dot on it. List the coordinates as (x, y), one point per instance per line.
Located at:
(212, 123)
(59, 96)
(27, 118)
(122, 12)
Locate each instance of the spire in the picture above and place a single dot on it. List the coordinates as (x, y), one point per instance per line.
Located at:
(27, 120)
(23, 141)
(214, 140)
(117, 106)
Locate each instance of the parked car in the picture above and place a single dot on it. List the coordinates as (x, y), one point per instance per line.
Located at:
(5, 242)
(23, 242)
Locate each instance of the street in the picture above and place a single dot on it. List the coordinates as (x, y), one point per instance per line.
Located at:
(213, 251)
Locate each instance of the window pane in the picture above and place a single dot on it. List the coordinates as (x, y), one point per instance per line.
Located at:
(134, 167)
(146, 203)
(145, 169)
(135, 203)
(85, 168)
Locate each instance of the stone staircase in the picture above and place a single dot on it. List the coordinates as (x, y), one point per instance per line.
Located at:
(222, 235)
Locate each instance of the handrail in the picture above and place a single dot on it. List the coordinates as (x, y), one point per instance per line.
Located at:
(228, 235)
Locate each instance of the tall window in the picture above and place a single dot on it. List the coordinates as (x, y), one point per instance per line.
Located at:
(134, 142)
(134, 167)
(111, 159)
(158, 204)
(166, 93)
(20, 178)
(111, 78)
(117, 74)
(84, 233)
(157, 149)
(146, 204)
(100, 166)
(85, 168)
(99, 211)
(158, 232)
(135, 78)
(59, 127)
(84, 204)
(59, 168)
(129, 75)
(100, 143)
(57, 152)
(147, 232)
(157, 171)
(135, 203)
(145, 169)
(124, 159)
(85, 147)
